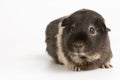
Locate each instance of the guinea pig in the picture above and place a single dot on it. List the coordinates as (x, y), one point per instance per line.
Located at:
(79, 41)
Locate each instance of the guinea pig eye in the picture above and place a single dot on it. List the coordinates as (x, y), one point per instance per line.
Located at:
(92, 30)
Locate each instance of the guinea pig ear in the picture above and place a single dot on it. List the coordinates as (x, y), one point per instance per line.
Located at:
(66, 22)
(108, 29)
(101, 25)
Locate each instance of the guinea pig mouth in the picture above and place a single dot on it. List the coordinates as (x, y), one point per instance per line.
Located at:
(80, 55)
(79, 59)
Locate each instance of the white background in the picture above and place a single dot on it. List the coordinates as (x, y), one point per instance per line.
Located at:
(22, 39)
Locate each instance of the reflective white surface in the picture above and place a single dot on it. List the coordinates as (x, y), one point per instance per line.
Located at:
(22, 39)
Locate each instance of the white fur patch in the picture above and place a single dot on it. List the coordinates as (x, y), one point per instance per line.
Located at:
(60, 52)
(94, 57)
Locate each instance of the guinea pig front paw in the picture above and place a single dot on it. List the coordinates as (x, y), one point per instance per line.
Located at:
(73, 67)
(107, 65)
(76, 68)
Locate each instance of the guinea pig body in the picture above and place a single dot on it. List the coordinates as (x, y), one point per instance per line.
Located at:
(79, 41)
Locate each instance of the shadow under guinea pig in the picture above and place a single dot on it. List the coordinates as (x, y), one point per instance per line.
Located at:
(49, 65)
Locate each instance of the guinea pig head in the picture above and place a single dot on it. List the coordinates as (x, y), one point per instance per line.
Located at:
(84, 34)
